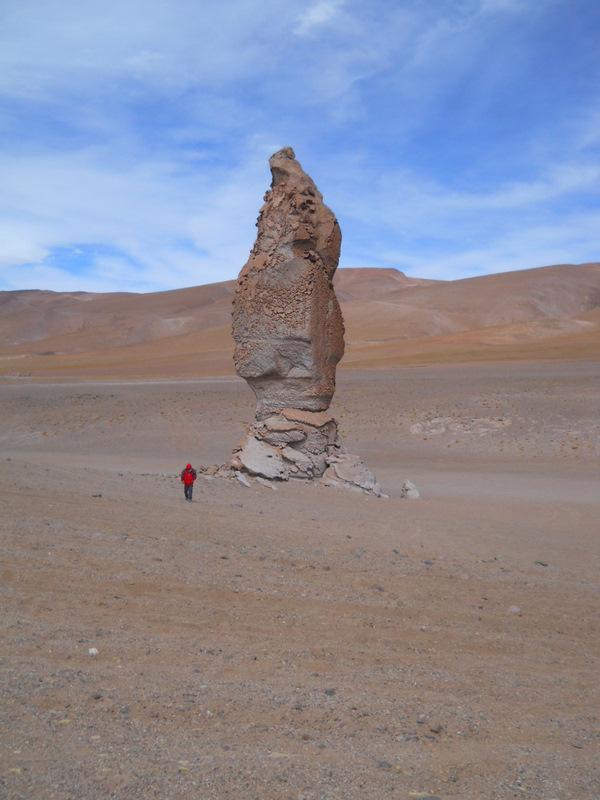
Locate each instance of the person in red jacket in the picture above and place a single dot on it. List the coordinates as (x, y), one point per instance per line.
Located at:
(188, 476)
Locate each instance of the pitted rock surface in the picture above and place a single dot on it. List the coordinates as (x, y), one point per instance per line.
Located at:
(287, 323)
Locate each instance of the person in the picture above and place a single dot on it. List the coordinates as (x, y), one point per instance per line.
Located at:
(188, 476)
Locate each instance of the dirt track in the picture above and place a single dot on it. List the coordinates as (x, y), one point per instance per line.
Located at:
(305, 642)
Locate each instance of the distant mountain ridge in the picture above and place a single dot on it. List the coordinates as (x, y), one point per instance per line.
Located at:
(386, 314)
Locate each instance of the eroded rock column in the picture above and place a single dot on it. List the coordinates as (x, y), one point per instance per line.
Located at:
(287, 323)
(289, 335)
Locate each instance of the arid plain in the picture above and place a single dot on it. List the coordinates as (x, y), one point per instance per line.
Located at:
(304, 642)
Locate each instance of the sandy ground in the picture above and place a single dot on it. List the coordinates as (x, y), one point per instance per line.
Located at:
(306, 642)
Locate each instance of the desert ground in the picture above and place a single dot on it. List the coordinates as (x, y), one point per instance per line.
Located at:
(304, 642)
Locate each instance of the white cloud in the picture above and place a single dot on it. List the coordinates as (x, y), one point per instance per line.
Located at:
(178, 228)
(20, 245)
(170, 45)
(531, 246)
(408, 203)
(448, 228)
(318, 14)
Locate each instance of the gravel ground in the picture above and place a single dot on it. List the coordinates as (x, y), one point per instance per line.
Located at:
(304, 642)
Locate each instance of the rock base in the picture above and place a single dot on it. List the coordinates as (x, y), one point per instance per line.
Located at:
(305, 445)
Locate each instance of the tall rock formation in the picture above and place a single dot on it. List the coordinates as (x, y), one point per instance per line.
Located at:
(287, 323)
(289, 336)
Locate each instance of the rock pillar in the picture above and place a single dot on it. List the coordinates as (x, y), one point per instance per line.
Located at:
(289, 335)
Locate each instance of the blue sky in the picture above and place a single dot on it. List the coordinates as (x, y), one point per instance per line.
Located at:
(451, 137)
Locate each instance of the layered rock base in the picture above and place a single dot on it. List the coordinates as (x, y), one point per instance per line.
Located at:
(301, 444)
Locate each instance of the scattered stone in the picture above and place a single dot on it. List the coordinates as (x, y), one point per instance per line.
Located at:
(93, 651)
(242, 479)
(330, 692)
(384, 765)
(409, 491)
(424, 796)
(350, 471)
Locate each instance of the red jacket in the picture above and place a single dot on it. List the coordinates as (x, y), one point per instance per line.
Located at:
(188, 475)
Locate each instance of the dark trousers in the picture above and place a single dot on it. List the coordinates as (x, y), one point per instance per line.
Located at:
(188, 490)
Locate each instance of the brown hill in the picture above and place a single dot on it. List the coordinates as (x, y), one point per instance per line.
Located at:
(549, 312)
(450, 307)
(80, 321)
(369, 283)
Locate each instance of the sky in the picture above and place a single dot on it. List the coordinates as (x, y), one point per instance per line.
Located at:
(451, 138)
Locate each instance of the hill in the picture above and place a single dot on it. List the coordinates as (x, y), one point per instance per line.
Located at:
(548, 312)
